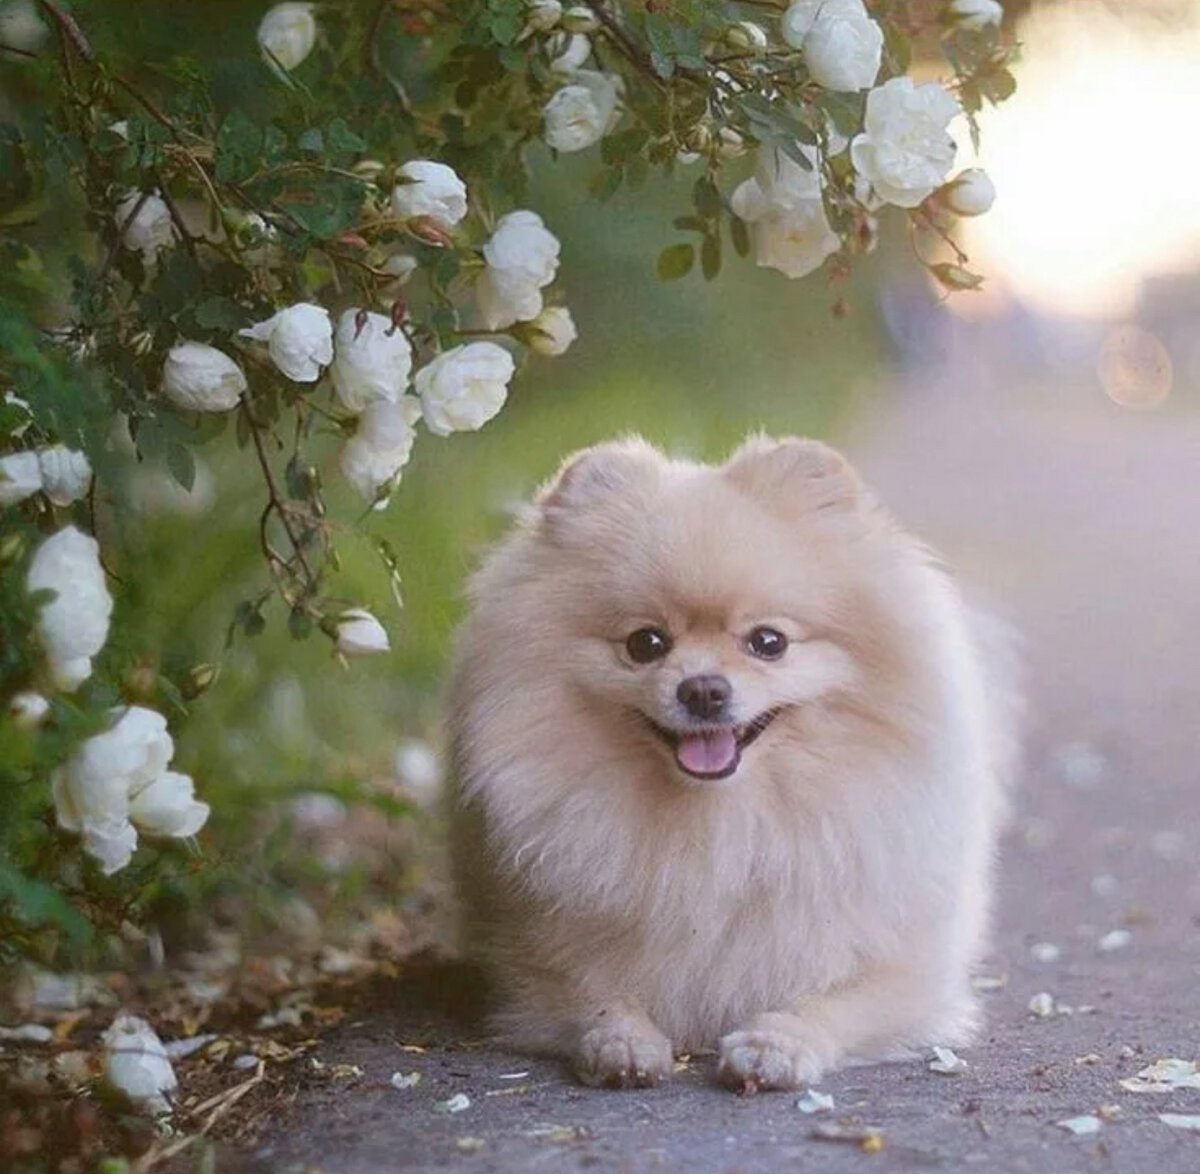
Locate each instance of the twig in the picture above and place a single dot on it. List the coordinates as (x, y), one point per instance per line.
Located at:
(275, 503)
(68, 27)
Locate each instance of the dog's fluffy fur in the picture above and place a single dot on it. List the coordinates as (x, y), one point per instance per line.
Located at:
(824, 903)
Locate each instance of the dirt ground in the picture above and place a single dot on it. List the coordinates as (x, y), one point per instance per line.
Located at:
(1081, 522)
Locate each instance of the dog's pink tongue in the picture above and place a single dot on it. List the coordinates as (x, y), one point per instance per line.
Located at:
(708, 753)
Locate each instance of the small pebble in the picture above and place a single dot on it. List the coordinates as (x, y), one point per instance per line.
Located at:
(1045, 952)
(1116, 939)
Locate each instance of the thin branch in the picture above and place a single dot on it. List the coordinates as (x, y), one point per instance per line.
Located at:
(275, 501)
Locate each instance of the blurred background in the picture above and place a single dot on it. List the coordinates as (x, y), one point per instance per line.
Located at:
(1019, 428)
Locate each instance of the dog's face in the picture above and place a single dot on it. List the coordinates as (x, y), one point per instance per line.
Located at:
(704, 608)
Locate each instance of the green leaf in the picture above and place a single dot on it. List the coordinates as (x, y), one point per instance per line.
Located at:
(676, 261)
(710, 257)
(740, 235)
(182, 464)
(300, 626)
(221, 314)
(311, 141)
(36, 903)
(341, 139)
(706, 198)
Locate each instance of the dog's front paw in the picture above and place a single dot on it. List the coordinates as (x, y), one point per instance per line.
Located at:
(623, 1051)
(773, 1052)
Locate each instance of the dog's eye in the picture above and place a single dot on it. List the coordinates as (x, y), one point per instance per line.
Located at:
(766, 643)
(648, 644)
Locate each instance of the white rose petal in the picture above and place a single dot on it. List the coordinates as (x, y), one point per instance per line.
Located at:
(843, 50)
(151, 228)
(463, 388)
(74, 626)
(28, 710)
(382, 445)
(66, 474)
(568, 51)
(521, 257)
(947, 1063)
(199, 378)
(801, 15)
(788, 225)
(111, 843)
(583, 111)
(401, 266)
(975, 14)
(1188, 1121)
(359, 633)
(136, 1062)
(287, 33)
(745, 34)
(432, 190)
(970, 194)
(1081, 1126)
(552, 331)
(905, 150)
(20, 477)
(456, 1104)
(299, 340)
(167, 806)
(1042, 1005)
(815, 1102)
(1116, 939)
(372, 359)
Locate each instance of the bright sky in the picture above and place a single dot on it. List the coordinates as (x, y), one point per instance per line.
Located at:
(1096, 158)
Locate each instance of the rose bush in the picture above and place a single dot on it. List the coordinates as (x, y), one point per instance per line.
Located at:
(314, 247)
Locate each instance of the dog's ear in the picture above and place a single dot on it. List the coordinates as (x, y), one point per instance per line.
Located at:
(619, 468)
(796, 473)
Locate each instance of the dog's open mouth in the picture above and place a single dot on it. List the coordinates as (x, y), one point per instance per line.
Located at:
(713, 752)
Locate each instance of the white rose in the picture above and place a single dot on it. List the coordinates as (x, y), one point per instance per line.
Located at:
(905, 151)
(372, 360)
(380, 448)
(975, 14)
(432, 190)
(20, 477)
(287, 33)
(542, 15)
(151, 228)
(66, 474)
(462, 389)
(746, 35)
(552, 331)
(419, 768)
(299, 340)
(199, 378)
(359, 633)
(972, 193)
(28, 710)
(788, 225)
(843, 50)
(136, 1063)
(582, 112)
(401, 266)
(20, 25)
(521, 257)
(167, 806)
(93, 787)
(801, 15)
(74, 625)
(568, 51)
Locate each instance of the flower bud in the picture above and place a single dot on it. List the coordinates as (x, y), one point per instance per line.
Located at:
(199, 378)
(580, 19)
(198, 681)
(747, 36)
(20, 477)
(136, 1064)
(730, 143)
(12, 546)
(287, 33)
(142, 343)
(970, 194)
(66, 474)
(551, 332)
(368, 169)
(699, 138)
(975, 14)
(28, 710)
(359, 633)
(541, 15)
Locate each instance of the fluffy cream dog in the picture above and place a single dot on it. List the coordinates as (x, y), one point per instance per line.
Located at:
(729, 771)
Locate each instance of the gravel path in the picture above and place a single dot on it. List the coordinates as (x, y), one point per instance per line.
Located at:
(1082, 523)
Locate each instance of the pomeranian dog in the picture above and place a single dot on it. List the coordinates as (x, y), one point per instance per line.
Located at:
(730, 763)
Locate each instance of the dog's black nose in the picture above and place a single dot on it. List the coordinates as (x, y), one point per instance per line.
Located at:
(705, 696)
